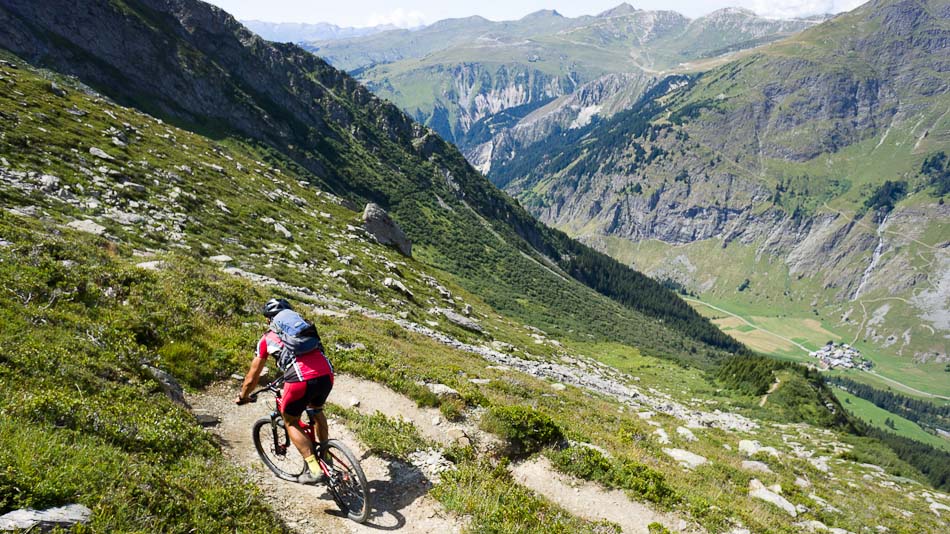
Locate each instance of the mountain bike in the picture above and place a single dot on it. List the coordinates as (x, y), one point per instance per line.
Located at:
(342, 472)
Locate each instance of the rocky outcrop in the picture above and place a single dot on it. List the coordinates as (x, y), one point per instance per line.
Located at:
(29, 520)
(384, 229)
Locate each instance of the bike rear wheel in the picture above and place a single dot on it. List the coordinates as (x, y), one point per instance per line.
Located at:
(275, 449)
(346, 481)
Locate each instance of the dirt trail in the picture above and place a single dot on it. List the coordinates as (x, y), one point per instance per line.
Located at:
(772, 389)
(398, 490)
(590, 501)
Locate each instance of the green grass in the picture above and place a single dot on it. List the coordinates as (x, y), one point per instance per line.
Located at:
(868, 412)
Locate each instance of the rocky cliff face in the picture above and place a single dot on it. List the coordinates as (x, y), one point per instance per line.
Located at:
(778, 153)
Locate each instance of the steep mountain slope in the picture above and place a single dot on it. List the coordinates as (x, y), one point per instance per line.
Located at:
(193, 64)
(457, 75)
(128, 245)
(798, 167)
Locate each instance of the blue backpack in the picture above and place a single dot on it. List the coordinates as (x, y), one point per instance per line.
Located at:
(298, 335)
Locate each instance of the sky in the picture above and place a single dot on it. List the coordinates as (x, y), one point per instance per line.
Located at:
(410, 13)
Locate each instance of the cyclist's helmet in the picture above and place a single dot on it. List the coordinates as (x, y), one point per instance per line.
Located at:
(274, 306)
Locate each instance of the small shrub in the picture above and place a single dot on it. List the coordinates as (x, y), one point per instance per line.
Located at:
(525, 428)
(656, 528)
(452, 409)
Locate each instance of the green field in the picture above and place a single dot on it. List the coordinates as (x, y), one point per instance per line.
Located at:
(875, 416)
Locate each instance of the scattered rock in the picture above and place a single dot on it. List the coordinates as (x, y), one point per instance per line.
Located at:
(353, 402)
(280, 229)
(759, 491)
(156, 265)
(752, 465)
(57, 90)
(396, 285)
(31, 520)
(169, 385)
(686, 434)
(459, 320)
(206, 419)
(752, 447)
(101, 154)
(49, 183)
(459, 436)
(802, 483)
(221, 258)
(386, 232)
(87, 226)
(557, 386)
(480, 381)
(686, 458)
(443, 391)
(661, 436)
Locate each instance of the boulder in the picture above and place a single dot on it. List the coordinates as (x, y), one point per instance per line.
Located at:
(443, 392)
(27, 519)
(386, 232)
(686, 458)
(169, 385)
(752, 465)
(759, 491)
(101, 154)
(459, 320)
(686, 434)
(87, 226)
(396, 285)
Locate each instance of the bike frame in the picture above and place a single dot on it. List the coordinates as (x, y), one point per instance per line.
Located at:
(308, 428)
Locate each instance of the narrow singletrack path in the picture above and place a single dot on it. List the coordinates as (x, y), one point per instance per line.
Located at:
(399, 491)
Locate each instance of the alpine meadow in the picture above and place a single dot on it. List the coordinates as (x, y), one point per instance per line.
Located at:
(622, 272)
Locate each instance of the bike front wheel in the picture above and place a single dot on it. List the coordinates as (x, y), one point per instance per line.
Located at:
(275, 449)
(346, 481)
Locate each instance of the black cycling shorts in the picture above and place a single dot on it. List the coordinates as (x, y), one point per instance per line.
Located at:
(298, 395)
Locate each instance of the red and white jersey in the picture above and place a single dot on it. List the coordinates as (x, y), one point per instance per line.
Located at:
(310, 365)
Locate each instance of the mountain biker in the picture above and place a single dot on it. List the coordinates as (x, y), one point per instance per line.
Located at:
(307, 384)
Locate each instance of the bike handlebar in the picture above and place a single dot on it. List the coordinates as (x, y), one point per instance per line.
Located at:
(273, 387)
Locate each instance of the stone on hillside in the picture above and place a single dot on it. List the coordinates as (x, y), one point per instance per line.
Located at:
(686, 434)
(206, 419)
(386, 232)
(752, 447)
(396, 285)
(752, 465)
(936, 507)
(687, 459)
(459, 436)
(221, 258)
(821, 463)
(99, 153)
(49, 183)
(27, 519)
(759, 491)
(480, 381)
(87, 226)
(155, 265)
(280, 229)
(56, 89)
(802, 483)
(169, 385)
(353, 402)
(442, 391)
(460, 320)
(661, 436)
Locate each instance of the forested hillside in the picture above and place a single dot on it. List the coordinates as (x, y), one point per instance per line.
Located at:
(344, 139)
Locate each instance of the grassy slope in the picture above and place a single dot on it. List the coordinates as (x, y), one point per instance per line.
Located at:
(868, 412)
(343, 138)
(74, 285)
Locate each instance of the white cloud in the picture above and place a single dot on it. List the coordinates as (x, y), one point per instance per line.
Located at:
(398, 17)
(802, 8)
